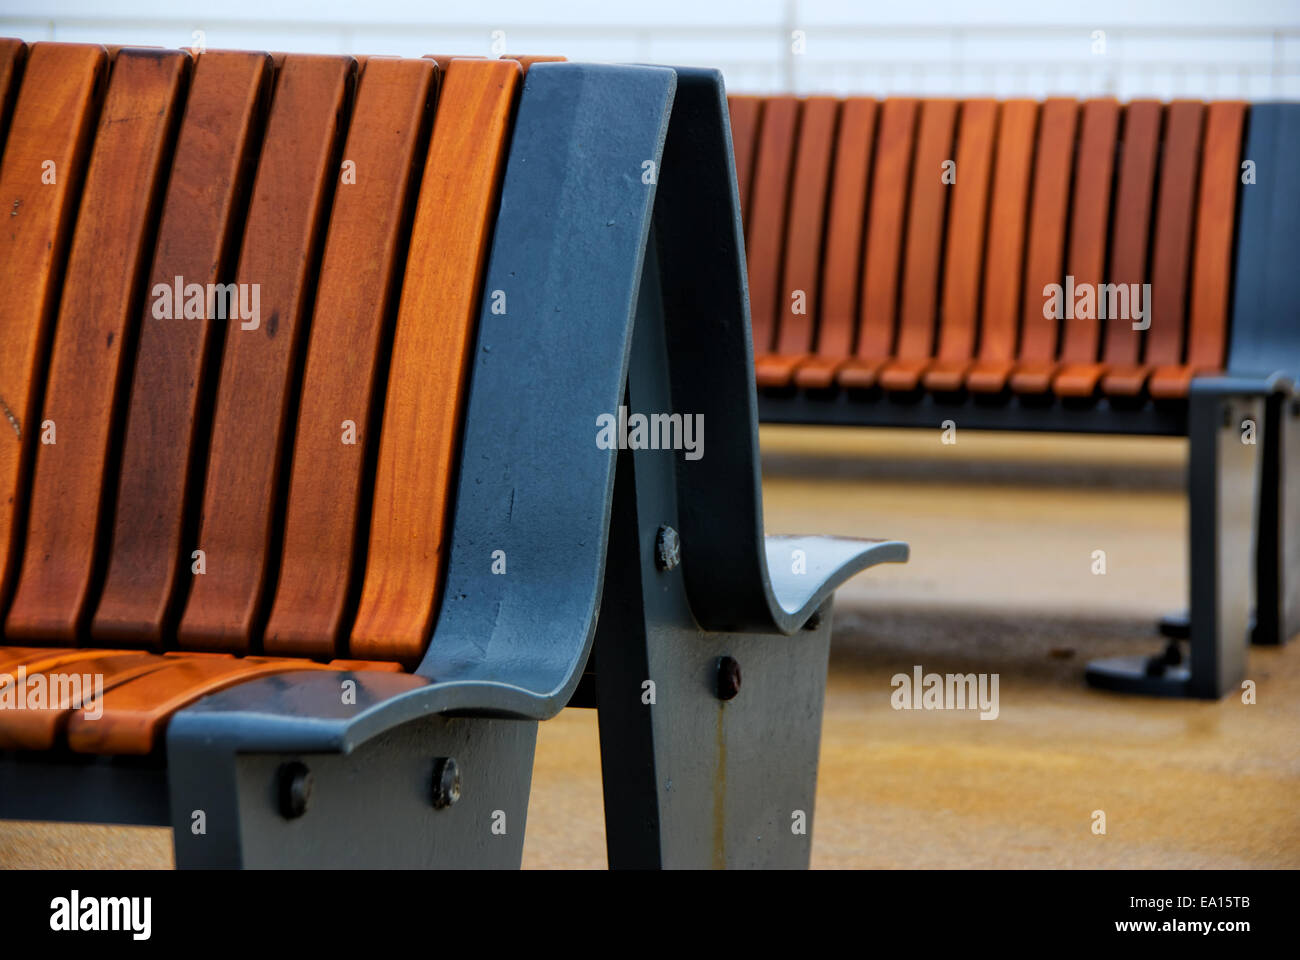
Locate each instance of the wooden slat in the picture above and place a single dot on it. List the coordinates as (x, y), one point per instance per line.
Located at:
(351, 332)
(1211, 280)
(430, 360)
(1089, 226)
(53, 122)
(136, 707)
(927, 212)
(746, 114)
(842, 263)
(13, 55)
(251, 424)
(1000, 307)
(886, 230)
(527, 60)
(964, 256)
(35, 659)
(1130, 232)
(1045, 250)
(166, 433)
(803, 243)
(74, 477)
(37, 727)
(767, 213)
(1171, 248)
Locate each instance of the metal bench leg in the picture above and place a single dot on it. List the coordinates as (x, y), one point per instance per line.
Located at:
(1223, 485)
(1275, 617)
(1277, 557)
(436, 792)
(708, 741)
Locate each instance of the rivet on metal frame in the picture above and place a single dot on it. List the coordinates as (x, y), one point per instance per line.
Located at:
(295, 783)
(668, 548)
(446, 782)
(728, 679)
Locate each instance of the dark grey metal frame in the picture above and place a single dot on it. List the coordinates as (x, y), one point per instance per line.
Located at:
(433, 768)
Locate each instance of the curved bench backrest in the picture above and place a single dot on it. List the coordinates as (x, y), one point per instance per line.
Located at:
(240, 431)
(1013, 199)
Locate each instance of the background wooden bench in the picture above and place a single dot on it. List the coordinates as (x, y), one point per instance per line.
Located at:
(889, 294)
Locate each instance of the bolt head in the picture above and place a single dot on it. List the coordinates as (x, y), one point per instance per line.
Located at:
(668, 548)
(728, 678)
(294, 786)
(446, 782)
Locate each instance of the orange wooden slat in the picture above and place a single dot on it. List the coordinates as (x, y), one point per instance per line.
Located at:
(69, 689)
(13, 54)
(40, 182)
(801, 273)
(767, 216)
(1211, 280)
(1171, 248)
(14, 657)
(1004, 259)
(430, 359)
(927, 211)
(1129, 242)
(527, 61)
(964, 256)
(746, 114)
(1089, 226)
(136, 708)
(351, 331)
(1045, 250)
(842, 262)
(251, 423)
(35, 659)
(165, 438)
(886, 230)
(75, 475)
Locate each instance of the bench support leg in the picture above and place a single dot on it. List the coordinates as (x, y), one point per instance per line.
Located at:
(692, 780)
(1275, 618)
(389, 803)
(1223, 484)
(1277, 556)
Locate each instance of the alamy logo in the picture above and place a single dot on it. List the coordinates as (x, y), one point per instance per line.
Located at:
(953, 691)
(215, 301)
(73, 913)
(658, 431)
(1090, 301)
(53, 691)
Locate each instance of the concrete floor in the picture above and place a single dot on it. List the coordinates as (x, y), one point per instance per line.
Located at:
(1003, 531)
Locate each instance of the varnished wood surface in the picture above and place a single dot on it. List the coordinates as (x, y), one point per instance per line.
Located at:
(52, 123)
(799, 295)
(838, 323)
(768, 206)
(883, 251)
(168, 416)
(252, 422)
(74, 476)
(351, 333)
(963, 260)
(430, 359)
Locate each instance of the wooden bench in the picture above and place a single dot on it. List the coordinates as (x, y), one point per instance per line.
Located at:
(329, 547)
(900, 258)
